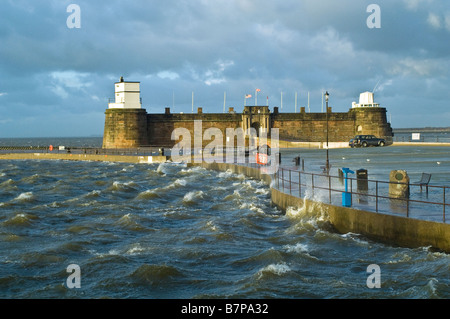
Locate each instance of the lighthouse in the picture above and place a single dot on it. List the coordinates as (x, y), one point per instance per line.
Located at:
(127, 95)
(125, 119)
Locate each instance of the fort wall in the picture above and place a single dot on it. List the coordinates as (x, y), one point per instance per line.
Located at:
(134, 128)
(125, 128)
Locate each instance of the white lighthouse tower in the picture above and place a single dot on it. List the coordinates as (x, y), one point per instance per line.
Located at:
(127, 95)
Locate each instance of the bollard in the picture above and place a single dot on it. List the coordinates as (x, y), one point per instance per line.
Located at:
(341, 176)
(297, 161)
(399, 184)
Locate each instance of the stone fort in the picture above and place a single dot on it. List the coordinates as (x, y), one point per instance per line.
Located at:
(128, 125)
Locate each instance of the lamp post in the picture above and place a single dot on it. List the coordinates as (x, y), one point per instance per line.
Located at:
(327, 165)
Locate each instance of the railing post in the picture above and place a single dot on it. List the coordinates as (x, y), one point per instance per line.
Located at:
(329, 188)
(444, 204)
(376, 196)
(282, 178)
(278, 179)
(290, 186)
(312, 183)
(299, 185)
(407, 207)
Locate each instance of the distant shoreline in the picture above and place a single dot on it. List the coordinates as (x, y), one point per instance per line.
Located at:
(422, 130)
(420, 144)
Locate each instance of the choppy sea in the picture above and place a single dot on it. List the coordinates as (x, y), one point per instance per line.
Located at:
(171, 231)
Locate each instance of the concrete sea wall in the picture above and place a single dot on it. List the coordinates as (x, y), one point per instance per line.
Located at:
(390, 229)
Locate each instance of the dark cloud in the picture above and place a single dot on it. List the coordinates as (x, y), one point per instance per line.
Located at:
(57, 81)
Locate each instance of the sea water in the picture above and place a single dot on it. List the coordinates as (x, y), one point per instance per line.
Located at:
(171, 231)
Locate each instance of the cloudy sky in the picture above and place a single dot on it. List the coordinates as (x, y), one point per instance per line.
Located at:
(56, 80)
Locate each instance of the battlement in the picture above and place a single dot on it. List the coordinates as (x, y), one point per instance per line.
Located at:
(132, 127)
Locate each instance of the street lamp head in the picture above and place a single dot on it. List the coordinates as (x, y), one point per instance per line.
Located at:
(326, 96)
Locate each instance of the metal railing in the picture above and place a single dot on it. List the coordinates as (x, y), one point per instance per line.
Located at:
(371, 195)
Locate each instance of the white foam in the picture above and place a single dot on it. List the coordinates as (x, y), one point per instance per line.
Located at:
(276, 269)
(210, 225)
(25, 196)
(192, 196)
(297, 248)
(177, 183)
(263, 191)
(135, 250)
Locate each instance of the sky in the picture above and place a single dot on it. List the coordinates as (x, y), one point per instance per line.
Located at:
(58, 65)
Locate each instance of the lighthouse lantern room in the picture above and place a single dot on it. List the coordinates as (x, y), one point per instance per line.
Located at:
(127, 95)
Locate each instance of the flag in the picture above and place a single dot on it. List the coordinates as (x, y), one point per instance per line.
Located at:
(258, 90)
(248, 96)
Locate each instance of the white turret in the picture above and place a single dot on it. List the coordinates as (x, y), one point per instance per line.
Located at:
(365, 100)
(127, 95)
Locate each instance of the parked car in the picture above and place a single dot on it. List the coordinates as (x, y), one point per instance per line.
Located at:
(366, 140)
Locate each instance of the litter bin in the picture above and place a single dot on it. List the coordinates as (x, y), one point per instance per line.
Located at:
(362, 180)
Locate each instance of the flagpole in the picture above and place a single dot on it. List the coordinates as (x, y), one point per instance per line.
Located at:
(309, 110)
(281, 100)
(322, 101)
(224, 99)
(256, 97)
(192, 101)
(295, 102)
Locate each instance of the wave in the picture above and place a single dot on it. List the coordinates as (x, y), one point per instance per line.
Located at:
(30, 179)
(165, 168)
(229, 175)
(300, 249)
(21, 220)
(192, 197)
(135, 249)
(40, 259)
(129, 222)
(297, 248)
(11, 237)
(9, 184)
(156, 274)
(25, 197)
(273, 270)
(81, 229)
(253, 207)
(193, 170)
(125, 187)
(235, 196)
(177, 183)
(93, 194)
(148, 194)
